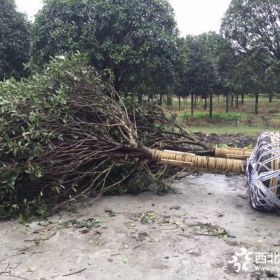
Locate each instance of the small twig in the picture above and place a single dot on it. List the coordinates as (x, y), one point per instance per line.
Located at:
(76, 272)
(120, 254)
(8, 274)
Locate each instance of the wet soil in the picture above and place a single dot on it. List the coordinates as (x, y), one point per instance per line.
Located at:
(231, 140)
(191, 234)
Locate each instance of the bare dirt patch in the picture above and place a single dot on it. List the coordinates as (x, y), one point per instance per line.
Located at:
(232, 140)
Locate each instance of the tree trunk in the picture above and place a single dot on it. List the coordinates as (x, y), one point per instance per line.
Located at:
(211, 105)
(231, 103)
(179, 103)
(169, 100)
(160, 99)
(236, 100)
(205, 103)
(256, 103)
(192, 105)
(242, 99)
(270, 97)
(198, 162)
(140, 97)
(195, 101)
(227, 102)
(117, 85)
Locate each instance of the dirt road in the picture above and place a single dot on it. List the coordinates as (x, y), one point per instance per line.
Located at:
(191, 234)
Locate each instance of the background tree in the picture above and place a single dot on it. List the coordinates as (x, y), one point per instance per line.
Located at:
(227, 69)
(252, 27)
(211, 42)
(136, 40)
(179, 73)
(14, 41)
(200, 76)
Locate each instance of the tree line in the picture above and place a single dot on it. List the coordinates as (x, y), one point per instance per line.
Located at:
(136, 46)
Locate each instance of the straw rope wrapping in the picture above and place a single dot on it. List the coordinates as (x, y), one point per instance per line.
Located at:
(263, 172)
(234, 153)
(204, 163)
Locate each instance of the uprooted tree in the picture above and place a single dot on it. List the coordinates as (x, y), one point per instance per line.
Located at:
(66, 134)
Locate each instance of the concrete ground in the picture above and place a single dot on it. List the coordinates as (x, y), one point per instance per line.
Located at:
(206, 230)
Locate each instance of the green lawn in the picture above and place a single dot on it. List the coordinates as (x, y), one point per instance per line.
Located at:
(231, 129)
(220, 104)
(238, 120)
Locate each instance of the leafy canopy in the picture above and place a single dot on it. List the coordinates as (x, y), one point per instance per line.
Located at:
(136, 40)
(253, 25)
(14, 41)
(253, 29)
(201, 76)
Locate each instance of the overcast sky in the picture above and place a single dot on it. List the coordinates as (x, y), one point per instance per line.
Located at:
(29, 7)
(193, 16)
(198, 16)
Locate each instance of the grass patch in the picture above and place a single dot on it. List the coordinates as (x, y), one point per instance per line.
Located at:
(219, 116)
(219, 105)
(231, 129)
